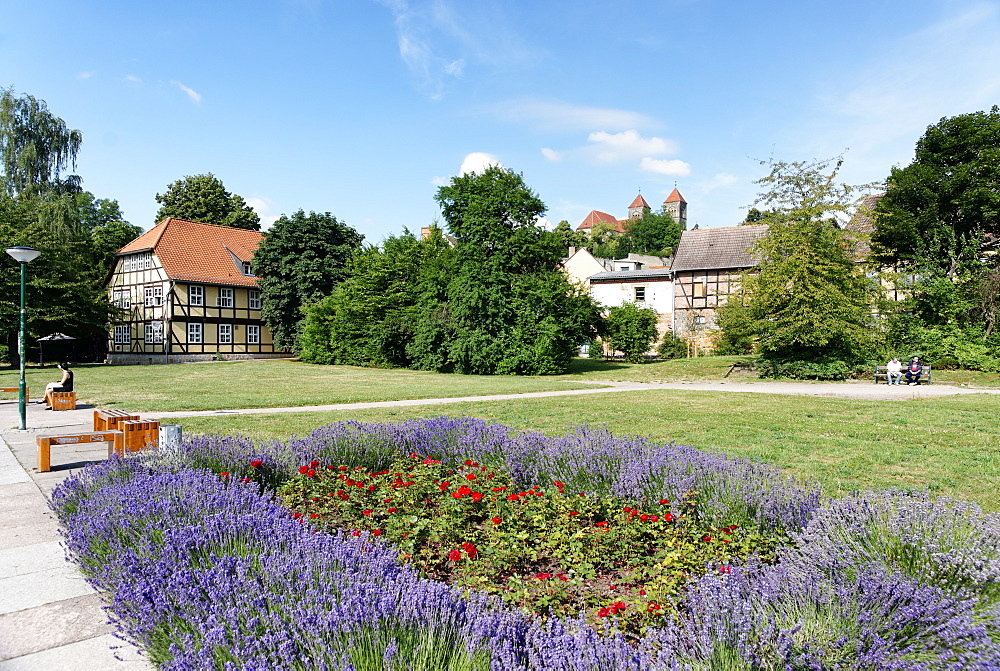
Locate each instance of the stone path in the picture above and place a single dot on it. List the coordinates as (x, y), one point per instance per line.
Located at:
(50, 619)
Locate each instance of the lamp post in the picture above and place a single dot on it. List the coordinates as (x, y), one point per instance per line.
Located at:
(24, 256)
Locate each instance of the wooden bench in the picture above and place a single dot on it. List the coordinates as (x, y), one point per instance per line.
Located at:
(114, 439)
(139, 434)
(107, 420)
(880, 372)
(64, 400)
(14, 390)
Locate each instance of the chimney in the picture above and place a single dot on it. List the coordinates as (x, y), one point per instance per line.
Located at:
(572, 251)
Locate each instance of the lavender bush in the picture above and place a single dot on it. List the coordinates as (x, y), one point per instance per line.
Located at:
(203, 571)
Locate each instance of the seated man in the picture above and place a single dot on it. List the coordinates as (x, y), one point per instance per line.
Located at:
(65, 384)
(913, 371)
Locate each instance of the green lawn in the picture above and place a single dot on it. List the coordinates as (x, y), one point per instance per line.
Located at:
(269, 384)
(950, 445)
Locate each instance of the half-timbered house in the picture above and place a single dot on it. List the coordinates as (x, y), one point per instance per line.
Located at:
(706, 269)
(188, 293)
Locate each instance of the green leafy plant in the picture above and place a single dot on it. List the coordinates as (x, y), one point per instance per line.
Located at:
(546, 550)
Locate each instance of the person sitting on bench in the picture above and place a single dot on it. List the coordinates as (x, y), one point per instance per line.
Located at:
(913, 371)
(65, 384)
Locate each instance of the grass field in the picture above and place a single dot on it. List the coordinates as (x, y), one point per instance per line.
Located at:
(950, 445)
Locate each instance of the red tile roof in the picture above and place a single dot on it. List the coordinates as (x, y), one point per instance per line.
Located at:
(596, 217)
(675, 196)
(194, 252)
(639, 202)
(713, 248)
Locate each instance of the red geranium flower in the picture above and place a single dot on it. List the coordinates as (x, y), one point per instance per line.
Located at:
(256, 464)
(391, 510)
(311, 473)
(303, 470)
(455, 555)
(668, 518)
(497, 520)
(706, 538)
(573, 512)
(664, 502)
(366, 512)
(644, 517)
(313, 464)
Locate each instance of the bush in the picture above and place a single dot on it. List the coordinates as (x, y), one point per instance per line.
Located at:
(829, 369)
(631, 330)
(672, 347)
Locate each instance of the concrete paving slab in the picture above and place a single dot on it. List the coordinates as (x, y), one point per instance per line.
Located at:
(102, 653)
(27, 534)
(31, 558)
(37, 588)
(52, 625)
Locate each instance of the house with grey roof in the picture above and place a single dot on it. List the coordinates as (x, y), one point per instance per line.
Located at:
(706, 269)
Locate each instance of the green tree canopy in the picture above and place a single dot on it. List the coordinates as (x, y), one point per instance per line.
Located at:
(204, 198)
(504, 306)
(300, 260)
(35, 146)
(631, 330)
(938, 210)
(653, 233)
(808, 299)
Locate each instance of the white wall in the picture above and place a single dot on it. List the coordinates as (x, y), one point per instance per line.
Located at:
(659, 294)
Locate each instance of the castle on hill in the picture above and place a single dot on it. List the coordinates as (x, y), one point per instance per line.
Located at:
(674, 205)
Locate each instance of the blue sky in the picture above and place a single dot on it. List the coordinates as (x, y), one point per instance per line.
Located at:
(363, 107)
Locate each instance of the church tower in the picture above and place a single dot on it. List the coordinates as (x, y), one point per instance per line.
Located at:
(638, 208)
(677, 207)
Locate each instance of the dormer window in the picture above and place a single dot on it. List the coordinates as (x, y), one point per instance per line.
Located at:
(247, 269)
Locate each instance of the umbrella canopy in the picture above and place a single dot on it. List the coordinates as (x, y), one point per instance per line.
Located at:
(57, 336)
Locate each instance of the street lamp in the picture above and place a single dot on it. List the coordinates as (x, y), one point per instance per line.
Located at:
(24, 256)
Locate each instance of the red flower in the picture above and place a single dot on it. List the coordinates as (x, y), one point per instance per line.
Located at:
(725, 569)
(356, 532)
(377, 532)
(256, 464)
(464, 490)
(342, 468)
(311, 473)
(366, 512)
(706, 538)
(668, 518)
(455, 555)
(224, 475)
(601, 525)
(468, 462)
(562, 576)
(573, 512)
(477, 496)
(314, 515)
(542, 576)
(653, 518)
(390, 511)
(644, 517)
(512, 497)
(444, 486)
(303, 470)
(470, 476)
(497, 520)
(470, 549)
(457, 494)
(626, 509)
(602, 612)
(664, 502)
(653, 607)
(313, 464)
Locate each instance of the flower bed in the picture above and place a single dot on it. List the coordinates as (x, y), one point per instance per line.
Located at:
(203, 567)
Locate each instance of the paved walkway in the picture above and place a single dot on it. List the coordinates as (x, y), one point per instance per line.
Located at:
(50, 619)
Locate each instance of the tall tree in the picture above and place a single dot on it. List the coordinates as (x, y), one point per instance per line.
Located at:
(631, 330)
(35, 146)
(505, 307)
(808, 299)
(204, 198)
(300, 260)
(654, 233)
(940, 209)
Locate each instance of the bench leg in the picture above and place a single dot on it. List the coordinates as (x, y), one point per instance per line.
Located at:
(44, 455)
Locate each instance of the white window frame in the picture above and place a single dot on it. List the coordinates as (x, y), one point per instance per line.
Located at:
(253, 334)
(195, 333)
(640, 294)
(253, 299)
(248, 269)
(122, 298)
(154, 333)
(153, 295)
(196, 294)
(226, 298)
(225, 334)
(123, 334)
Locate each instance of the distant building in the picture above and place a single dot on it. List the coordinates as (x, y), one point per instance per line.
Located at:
(674, 204)
(188, 293)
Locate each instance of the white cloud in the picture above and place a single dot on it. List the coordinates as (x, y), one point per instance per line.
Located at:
(437, 39)
(672, 167)
(720, 180)
(262, 206)
(551, 154)
(561, 116)
(85, 75)
(132, 79)
(191, 93)
(609, 147)
(478, 162)
(441, 181)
